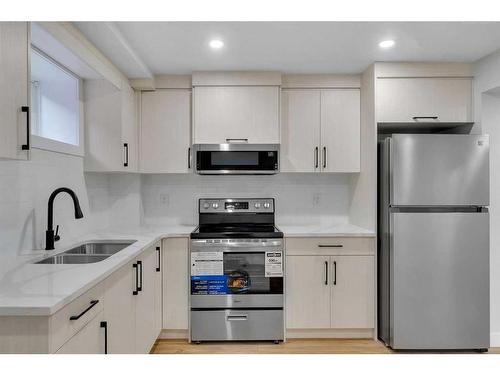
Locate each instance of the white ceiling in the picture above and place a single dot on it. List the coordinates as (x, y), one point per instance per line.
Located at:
(141, 49)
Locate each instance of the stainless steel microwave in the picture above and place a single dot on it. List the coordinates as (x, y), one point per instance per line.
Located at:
(236, 158)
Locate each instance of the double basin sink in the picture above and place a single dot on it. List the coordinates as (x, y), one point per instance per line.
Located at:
(90, 252)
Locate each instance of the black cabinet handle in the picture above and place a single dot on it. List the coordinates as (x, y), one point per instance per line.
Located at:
(189, 157)
(425, 117)
(105, 326)
(330, 245)
(139, 263)
(136, 291)
(125, 145)
(92, 304)
(334, 273)
(326, 273)
(324, 157)
(316, 157)
(26, 110)
(158, 249)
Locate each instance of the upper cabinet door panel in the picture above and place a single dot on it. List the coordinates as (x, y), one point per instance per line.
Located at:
(300, 130)
(340, 130)
(240, 113)
(165, 131)
(14, 88)
(447, 100)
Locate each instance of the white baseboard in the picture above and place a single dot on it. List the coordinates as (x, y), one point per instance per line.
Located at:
(174, 334)
(495, 339)
(330, 333)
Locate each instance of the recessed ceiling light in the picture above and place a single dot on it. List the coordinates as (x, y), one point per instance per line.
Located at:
(216, 44)
(387, 43)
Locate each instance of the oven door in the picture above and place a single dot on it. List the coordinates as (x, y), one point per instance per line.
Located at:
(236, 158)
(232, 276)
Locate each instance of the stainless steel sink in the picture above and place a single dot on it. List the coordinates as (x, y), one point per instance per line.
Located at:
(73, 259)
(90, 252)
(99, 248)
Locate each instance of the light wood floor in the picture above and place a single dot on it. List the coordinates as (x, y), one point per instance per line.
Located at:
(292, 346)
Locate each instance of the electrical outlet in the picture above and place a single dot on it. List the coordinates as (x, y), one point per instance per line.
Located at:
(164, 199)
(316, 199)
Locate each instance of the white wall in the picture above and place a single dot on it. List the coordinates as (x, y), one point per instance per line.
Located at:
(487, 117)
(25, 187)
(300, 198)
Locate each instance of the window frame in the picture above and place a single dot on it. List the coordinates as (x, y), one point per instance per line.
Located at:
(48, 144)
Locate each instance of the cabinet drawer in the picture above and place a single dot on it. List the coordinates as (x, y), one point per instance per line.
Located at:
(83, 309)
(218, 325)
(330, 246)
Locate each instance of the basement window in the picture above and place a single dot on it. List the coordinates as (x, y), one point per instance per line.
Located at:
(55, 106)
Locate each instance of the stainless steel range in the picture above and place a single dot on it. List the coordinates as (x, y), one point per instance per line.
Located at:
(237, 258)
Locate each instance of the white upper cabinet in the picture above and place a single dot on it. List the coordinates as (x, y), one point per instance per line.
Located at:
(165, 131)
(340, 130)
(320, 130)
(300, 130)
(226, 114)
(14, 90)
(110, 128)
(403, 100)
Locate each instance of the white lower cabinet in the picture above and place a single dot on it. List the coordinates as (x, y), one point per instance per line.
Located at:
(307, 293)
(175, 284)
(91, 339)
(333, 288)
(145, 320)
(131, 298)
(120, 310)
(353, 291)
(120, 315)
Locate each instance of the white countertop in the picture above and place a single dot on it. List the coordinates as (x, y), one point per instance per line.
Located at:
(315, 230)
(28, 289)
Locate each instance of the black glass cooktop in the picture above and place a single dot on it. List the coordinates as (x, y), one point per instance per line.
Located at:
(236, 231)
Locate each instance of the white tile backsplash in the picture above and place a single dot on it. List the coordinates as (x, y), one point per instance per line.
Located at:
(300, 198)
(122, 200)
(25, 187)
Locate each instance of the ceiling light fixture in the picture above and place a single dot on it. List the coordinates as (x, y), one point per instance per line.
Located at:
(216, 44)
(387, 43)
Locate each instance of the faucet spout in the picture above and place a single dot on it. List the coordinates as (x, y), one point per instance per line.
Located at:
(49, 234)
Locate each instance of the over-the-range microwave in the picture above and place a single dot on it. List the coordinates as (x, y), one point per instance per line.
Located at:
(236, 158)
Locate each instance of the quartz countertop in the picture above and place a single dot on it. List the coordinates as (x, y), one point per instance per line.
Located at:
(28, 289)
(43, 289)
(325, 230)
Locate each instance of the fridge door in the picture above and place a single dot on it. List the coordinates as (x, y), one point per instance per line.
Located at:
(439, 170)
(439, 271)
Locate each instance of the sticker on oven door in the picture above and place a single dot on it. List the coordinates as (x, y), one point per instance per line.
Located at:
(209, 285)
(207, 263)
(274, 264)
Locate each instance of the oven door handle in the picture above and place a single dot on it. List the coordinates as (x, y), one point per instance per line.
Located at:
(237, 317)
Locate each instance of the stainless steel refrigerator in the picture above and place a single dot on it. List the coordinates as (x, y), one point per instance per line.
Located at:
(433, 260)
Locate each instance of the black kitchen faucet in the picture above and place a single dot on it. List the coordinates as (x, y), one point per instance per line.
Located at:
(50, 237)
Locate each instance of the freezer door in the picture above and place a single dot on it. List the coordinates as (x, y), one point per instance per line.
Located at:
(439, 293)
(439, 170)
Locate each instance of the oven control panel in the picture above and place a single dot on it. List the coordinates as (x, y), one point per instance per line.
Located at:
(229, 205)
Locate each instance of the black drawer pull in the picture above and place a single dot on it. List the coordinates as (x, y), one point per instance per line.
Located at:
(425, 117)
(26, 110)
(92, 304)
(330, 245)
(104, 325)
(125, 146)
(136, 291)
(139, 288)
(158, 249)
